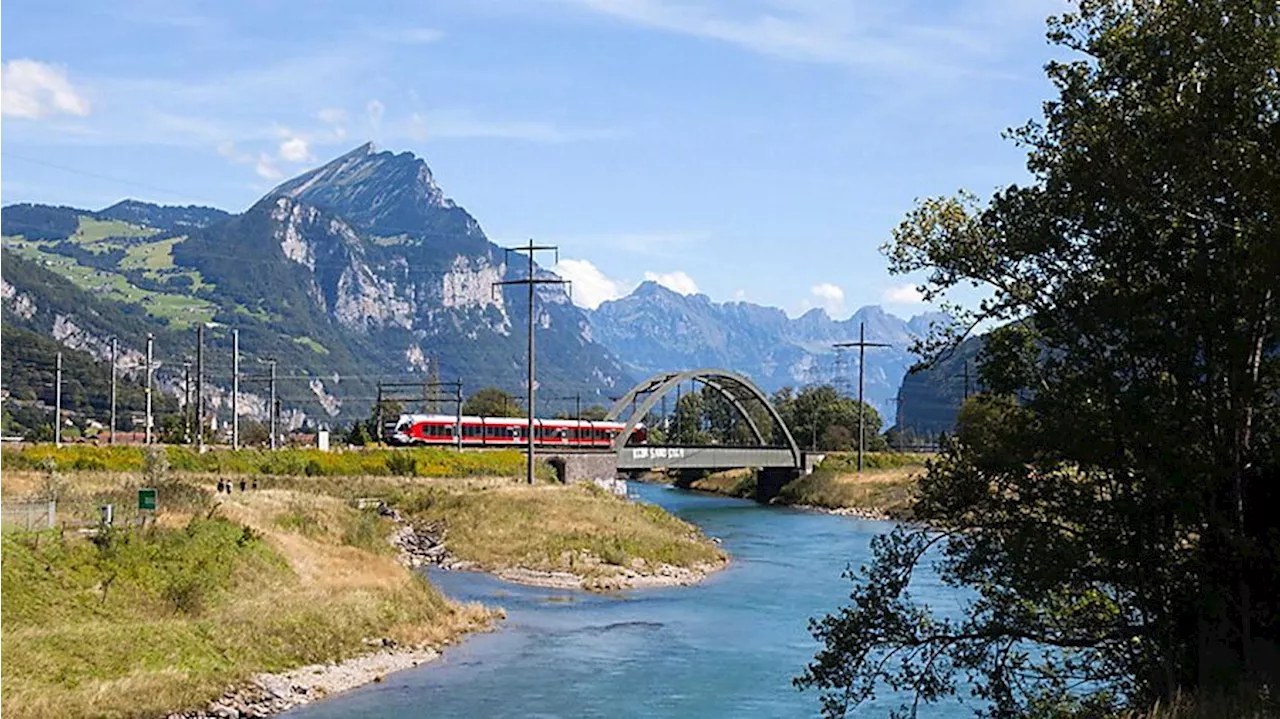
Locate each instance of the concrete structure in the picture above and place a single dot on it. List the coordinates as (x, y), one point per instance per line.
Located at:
(777, 465)
(581, 466)
(666, 457)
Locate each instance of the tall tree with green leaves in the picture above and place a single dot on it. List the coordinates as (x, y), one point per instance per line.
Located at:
(492, 402)
(821, 419)
(1115, 521)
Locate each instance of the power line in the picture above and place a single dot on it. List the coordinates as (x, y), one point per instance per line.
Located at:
(87, 173)
(862, 344)
(531, 282)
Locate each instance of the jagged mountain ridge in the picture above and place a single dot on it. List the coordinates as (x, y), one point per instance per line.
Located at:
(357, 269)
(417, 263)
(655, 328)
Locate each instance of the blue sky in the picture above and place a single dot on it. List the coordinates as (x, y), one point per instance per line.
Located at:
(758, 150)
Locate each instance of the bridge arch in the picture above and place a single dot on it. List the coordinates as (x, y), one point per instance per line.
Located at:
(661, 384)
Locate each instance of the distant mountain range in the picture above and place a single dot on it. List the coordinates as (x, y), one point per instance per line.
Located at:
(654, 329)
(362, 269)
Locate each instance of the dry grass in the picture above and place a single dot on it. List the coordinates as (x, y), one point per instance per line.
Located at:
(313, 593)
(317, 579)
(886, 490)
(889, 490)
(575, 529)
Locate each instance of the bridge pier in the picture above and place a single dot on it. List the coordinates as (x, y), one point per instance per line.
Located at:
(771, 480)
(581, 466)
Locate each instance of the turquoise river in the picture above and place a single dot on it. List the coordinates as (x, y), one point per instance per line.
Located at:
(728, 647)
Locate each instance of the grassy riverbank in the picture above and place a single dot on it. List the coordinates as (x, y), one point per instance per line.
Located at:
(143, 621)
(580, 530)
(884, 488)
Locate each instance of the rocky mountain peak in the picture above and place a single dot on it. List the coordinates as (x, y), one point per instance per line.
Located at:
(387, 193)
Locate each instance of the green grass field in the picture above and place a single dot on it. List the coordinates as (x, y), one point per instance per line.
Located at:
(312, 345)
(155, 258)
(93, 230)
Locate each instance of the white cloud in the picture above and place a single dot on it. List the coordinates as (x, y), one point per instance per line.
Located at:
(902, 295)
(229, 150)
(31, 89)
(676, 281)
(374, 110)
(829, 297)
(266, 168)
(862, 35)
(590, 285)
(294, 149)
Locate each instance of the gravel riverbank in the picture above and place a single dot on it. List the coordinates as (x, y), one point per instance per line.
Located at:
(859, 512)
(268, 694)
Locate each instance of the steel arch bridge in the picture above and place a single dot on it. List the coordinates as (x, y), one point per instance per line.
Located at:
(766, 455)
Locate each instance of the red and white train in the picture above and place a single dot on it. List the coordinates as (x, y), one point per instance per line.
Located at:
(418, 429)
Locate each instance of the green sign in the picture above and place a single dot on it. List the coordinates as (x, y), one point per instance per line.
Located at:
(146, 499)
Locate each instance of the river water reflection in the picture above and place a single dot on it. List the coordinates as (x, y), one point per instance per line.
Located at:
(726, 648)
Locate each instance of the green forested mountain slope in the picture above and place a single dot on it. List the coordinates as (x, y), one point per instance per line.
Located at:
(929, 398)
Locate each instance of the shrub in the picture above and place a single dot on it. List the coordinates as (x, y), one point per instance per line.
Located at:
(402, 463)
(155, 466)
(53, 485)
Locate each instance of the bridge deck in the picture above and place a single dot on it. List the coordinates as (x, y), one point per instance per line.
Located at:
(659, 457)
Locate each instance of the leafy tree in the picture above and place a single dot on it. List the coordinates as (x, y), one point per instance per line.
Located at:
(387, 411)
(1115, 524)
(492, 402)
(357, 435)
(816, 410)
(173, 429)
(838, 438)
(687, 421)
(41, 433)
(254, 433)
(594, 413)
